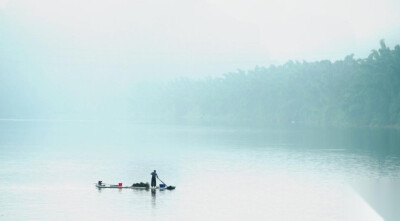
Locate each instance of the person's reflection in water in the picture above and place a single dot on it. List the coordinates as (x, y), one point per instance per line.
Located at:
(153, 198)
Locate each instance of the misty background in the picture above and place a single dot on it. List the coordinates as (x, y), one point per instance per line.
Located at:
(297, 99)
(275, 62)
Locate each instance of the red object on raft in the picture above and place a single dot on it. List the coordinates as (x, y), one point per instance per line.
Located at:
(119, 184)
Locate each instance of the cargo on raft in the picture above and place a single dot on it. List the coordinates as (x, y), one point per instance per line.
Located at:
(140, 185)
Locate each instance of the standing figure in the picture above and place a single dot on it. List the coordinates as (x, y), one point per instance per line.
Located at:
(153, 179)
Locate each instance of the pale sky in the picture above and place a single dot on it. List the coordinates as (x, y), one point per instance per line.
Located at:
(150, 39)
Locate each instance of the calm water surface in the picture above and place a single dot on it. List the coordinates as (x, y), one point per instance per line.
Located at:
(48, 171)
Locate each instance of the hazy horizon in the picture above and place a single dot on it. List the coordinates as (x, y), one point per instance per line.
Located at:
(63, 58)
(157, 40)
(252, 109)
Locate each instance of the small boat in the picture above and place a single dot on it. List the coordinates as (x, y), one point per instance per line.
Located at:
(141, 186)
(120, 187)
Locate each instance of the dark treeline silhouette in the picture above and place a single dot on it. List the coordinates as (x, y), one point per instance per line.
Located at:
(348, 92)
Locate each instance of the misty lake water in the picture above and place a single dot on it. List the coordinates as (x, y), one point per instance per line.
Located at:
(48, 170)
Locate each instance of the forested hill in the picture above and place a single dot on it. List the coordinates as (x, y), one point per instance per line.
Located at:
(350, 92)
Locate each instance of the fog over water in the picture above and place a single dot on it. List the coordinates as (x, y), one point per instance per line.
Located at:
(255, 110)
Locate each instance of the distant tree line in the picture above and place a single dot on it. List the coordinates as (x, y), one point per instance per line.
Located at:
(350, 92)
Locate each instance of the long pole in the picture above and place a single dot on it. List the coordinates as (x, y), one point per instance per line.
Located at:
(161, 181)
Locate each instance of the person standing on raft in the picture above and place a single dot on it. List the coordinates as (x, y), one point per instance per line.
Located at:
(153, 179)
